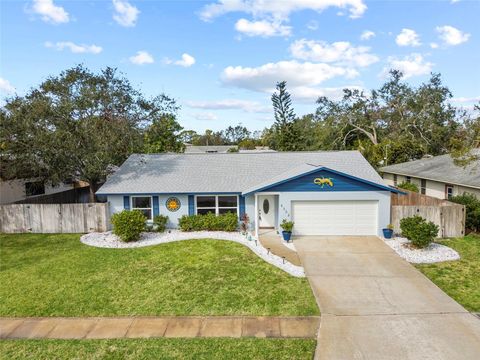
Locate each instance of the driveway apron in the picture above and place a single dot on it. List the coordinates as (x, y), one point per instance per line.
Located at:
(375, 305)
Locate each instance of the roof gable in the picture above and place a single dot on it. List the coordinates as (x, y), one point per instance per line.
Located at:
(320, 179)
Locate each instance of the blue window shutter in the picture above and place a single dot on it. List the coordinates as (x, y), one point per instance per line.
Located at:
(156, 207)
(126, 202)
(242, 205)
(191, 205)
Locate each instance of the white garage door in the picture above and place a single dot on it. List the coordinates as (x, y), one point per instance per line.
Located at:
(335, 217)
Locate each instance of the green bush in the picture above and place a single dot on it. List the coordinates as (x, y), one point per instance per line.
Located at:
(160, 222)
(128, 225)
(287, 225)
(472, 208)
(420, 232)
(408, 186)
(209, 222)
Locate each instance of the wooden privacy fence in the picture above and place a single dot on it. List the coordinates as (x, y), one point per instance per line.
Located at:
(53, 218)
(449, 217)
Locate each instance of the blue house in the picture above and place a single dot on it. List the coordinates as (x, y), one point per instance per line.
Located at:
(324, 193)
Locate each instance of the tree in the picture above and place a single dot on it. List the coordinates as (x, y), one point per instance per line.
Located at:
(285, 132)
(395, 123)
(164, 135)
(77, 125)
(235, 135)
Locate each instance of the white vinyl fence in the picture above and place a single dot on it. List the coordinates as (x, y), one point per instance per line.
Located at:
(54, 218)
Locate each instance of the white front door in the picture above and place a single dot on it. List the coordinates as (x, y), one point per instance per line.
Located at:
(266, 211)
(335, 217)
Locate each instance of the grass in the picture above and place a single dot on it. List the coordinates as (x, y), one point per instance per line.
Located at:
(159, 349)
(57, 275)
(459, 279)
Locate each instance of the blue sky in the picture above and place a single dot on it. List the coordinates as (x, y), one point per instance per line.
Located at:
(221, 59)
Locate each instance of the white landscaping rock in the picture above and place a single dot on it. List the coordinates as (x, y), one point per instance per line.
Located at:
(110, 240)
(431, 254)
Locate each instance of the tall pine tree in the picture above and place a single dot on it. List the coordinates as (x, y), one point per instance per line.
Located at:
(286, 134)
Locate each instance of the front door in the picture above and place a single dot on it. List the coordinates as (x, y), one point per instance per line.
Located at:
(266, 211)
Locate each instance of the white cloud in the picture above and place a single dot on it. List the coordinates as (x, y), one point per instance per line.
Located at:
(408, 37)
(74, 48)
(466, 99)
(452, 36)
(264, 77)
(186, 60)
(311, 94)
(279, 9)
(341, 52)
(230, 104)
(263, 28)
(50, 12)
(367, 35)
(433, 45)
(125, 13)
(209, 116)
(141, 58)
(6, 87)
(411, 65)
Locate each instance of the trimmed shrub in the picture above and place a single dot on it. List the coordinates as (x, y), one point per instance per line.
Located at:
(209, 222)
(420, 232)
(472, 207)
(160, 222)
(128, 224)
(408, 186)
(287, 225)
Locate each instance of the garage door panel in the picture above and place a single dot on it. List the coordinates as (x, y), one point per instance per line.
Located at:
(335, 217)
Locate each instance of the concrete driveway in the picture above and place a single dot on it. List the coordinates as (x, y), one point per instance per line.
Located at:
(375, 305)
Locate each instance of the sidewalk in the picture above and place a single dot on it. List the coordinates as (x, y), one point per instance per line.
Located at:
(271, 240)
(162, 326)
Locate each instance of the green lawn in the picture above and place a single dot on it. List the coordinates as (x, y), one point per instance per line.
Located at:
(56, 275)
(459, 279)
(275, 349)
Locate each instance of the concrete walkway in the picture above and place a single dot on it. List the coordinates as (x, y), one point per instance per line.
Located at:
(271, 240)
(163, 326)
(375, 305)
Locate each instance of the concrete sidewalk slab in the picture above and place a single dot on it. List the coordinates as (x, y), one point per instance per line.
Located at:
(222, 327)
(183, 327)
(33, 329)
(8, 325)
(400, 337)
(147, 327)
(299, 327)
(72, 328)
(261, 327)
(107, 328)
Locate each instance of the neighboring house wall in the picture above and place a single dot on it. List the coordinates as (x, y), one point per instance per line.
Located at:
(14, 190)
(433, 188)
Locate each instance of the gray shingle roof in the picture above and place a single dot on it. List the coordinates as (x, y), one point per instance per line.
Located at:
(199, 149)
(221, 173)
(440, 168)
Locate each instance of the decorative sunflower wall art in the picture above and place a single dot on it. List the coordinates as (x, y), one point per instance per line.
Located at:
(173, 204)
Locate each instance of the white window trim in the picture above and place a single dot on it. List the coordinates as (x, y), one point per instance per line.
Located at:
(150, 208)
(216, 204)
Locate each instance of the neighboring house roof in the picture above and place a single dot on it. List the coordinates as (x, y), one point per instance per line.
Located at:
(201, 149)
(440, 168)
(227, 173)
